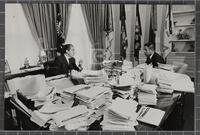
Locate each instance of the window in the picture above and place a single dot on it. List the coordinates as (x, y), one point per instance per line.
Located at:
(78, 36)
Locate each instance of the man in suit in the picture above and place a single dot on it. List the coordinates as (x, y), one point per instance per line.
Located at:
(66, 62)
(152, 57)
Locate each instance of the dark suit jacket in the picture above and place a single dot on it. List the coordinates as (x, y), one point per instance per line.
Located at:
(63, 67)
(155, 59)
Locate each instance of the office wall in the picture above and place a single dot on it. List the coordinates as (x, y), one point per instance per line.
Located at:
(19, 42)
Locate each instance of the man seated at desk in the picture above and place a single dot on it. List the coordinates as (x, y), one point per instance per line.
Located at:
(66, 62)
(152, 57)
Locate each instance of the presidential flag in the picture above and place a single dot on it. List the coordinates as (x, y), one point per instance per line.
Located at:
(153, 24)
(123, 35)
(138, 33)
(109, 30)
(168, 32)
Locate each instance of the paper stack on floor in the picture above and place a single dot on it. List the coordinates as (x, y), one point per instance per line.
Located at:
(147, 94)
(121, 115)
(94, 97)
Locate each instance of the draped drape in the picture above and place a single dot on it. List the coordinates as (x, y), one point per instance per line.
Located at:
(153, 24)
(93, 15)
(65, 11)
(42, 22)
(109, 30)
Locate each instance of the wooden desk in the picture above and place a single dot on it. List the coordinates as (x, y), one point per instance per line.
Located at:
(24, 72)
(166, 104)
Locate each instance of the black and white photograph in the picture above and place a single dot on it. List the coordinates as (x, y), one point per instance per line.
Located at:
(102, 67)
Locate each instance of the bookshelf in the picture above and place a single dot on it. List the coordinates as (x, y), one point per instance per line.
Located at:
(183, 48)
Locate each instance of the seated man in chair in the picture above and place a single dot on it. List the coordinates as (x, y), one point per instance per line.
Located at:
(152, 57)
(66, 62)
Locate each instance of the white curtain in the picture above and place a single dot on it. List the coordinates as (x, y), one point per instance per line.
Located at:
(19, 42)
(78, 36)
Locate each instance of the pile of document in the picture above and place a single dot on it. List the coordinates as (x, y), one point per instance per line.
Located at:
(123, 92)
(127, 65)
(60, 82)
(147, 94)
(71, 91)
(112, 63)
(98, 112)
(73, 118)
(94, 96)
(179, 82)
(29, 85)
(164, 84)
(123, 86)
(122, 81)
(92, 76)
(33, 87)
(121, 115)
(167, 67)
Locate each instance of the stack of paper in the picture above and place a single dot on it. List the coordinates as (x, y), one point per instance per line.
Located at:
(40, 118)
(60, 82)
(50, 108)
(123, 92)
(127, 65)
(121, 115)
(91, 76)
(147, 94)
(94, 97)
(72, 118)
(72, 90)
(98, 112)
(150, 115)
(28, 85)
(166, 67)
(122, 81)
(112, 63)
(33, 87)
(179, 82)
(164, 84)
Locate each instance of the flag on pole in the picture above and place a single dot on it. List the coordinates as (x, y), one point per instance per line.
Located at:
(168, 32)
(109, 29)
(123, 35)
(153, 24)
(138, 33)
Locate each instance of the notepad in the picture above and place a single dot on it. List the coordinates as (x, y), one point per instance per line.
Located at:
(150, 115)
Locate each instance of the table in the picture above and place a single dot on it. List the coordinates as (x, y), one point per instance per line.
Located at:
(165, 102)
